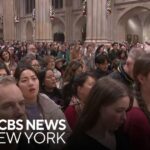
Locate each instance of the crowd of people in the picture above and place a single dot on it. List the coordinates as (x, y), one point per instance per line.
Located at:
(101, 91)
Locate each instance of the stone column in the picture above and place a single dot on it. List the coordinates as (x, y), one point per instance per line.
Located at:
(69, 21)
(43, 24)
(8, 20)
(17, 24)
(97, 22)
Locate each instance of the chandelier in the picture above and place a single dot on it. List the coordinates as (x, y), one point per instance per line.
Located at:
(51, 14)
(84, 8)
(16, 19)
(108, 7)
(33, 14)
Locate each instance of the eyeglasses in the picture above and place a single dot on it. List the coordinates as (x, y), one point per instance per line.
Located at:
(36, 65)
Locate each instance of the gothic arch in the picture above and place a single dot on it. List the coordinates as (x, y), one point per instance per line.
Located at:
(58, 28)
(59, 18)
(129, 10)
(77, 19)
(29, 31)
(146, 29)
(79, 27)
(133, 13)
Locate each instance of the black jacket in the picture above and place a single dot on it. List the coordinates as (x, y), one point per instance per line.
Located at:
(123, 77)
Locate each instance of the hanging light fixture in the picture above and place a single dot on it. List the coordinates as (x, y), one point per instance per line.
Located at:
(84, 8)
(16, 19)
(108, 7)
(33, 14)
(51, 13)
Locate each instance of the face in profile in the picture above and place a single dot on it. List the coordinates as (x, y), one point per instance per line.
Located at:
(59, 64)
(84, 90)
(50, 80)
(3, 73)
(51, 64)
(35, 64)
(29, 84)
(144, 81)
(113, 116)
(79, 70)
(130, 64)
(5, 56)
(12, 106)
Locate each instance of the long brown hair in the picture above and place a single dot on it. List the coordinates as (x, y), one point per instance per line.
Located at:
(141, 66)
(105, 92)
(71, 69)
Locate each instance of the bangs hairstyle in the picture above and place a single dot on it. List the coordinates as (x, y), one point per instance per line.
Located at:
(104, 93)
(4, 50)
(80, 79)
(20, 69)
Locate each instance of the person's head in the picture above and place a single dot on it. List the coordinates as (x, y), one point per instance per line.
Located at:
(100, 49)
(49, 62)
(11, 50)
(76, 54)
(106, 105)
(146, 46)
(82, 85)
(32, 49)
(48, 80)
(36, 65)
(12, 104)
(115, 64)
(141, 72)
(115, 45)
(122, 55)
(74, 68)
(132, 56)
(3, 70)
(101, 62)
(123, 47)
(5, 55)
(59, 63)
(30, 60)
(28, 82)
(89, 48)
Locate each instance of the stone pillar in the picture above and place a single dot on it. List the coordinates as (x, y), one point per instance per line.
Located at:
(8, 19)
(43, 24)
(97, 22)
(69, 21)
(17, 24)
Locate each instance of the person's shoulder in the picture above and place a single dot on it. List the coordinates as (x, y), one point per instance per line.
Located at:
(69, 109)
(135, 112)
(47, 103)
(80, 141)
(115, 75)
(70, 112)
(136, 117)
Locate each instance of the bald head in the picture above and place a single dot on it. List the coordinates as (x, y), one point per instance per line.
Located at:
(11, 100)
